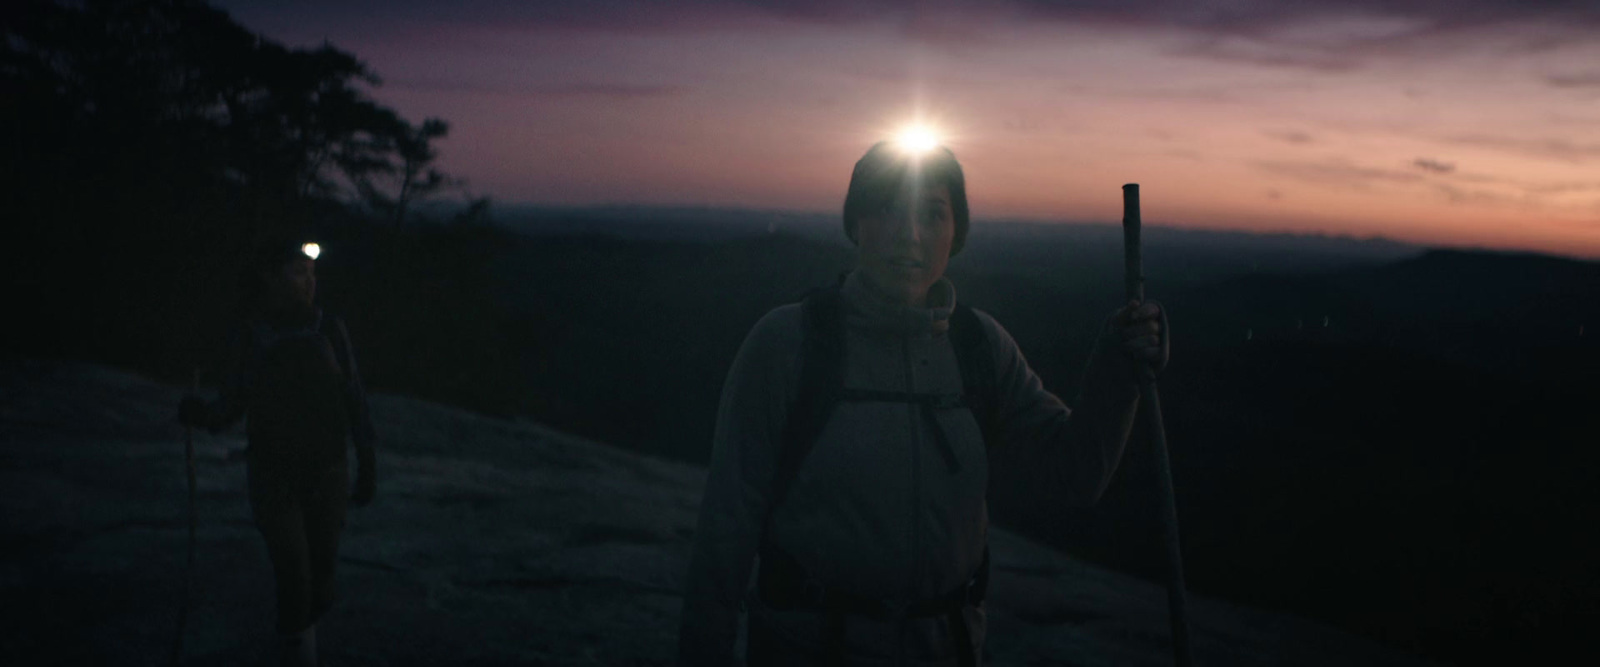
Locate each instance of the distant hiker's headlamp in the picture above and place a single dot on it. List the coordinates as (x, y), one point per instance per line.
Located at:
(917, 139)
(311, 250)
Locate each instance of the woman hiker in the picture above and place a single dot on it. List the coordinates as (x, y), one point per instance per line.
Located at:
(854, 441)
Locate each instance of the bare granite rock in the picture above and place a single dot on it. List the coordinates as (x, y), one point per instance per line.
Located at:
(490, 542)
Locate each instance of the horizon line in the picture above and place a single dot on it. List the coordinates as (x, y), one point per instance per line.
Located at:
(1165, 226)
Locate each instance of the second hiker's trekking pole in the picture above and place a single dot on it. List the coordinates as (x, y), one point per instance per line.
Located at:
(188, 568)
(1150, 410)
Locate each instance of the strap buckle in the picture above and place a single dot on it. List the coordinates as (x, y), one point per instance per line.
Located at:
(972, 593)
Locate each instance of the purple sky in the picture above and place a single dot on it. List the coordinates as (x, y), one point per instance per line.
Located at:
(1465, 122)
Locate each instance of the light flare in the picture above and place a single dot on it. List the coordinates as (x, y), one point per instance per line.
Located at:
(917, 139)
(311, 250)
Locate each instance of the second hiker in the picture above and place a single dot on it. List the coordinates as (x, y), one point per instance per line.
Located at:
(293, 372)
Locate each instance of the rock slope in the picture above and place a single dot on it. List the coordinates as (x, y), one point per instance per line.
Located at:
(491, 542)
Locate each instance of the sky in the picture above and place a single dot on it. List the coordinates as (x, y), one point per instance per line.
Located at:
(1472, 123)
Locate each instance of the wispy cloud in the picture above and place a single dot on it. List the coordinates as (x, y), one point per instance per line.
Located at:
(1266, 54)
(1459, 195)
(1434, 166)
(1230, 93)
(1337, 173)
(1355, 20)
(1240, 16)
(589, 89)
(1442, 180)
(1564, 188)
(1291, 136)
(1579, 80)
(1565, 150)
(611, 90)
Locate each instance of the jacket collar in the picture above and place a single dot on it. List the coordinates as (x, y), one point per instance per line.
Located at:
(866, 307)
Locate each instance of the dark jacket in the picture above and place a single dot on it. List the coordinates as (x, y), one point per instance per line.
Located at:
(299, 385)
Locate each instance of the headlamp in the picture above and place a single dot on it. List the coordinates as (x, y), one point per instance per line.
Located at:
(311, 250)
(917, 139)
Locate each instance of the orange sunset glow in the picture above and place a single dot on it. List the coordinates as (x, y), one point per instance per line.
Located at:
(1473, 124)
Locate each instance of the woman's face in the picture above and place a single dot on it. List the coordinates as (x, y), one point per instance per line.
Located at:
(295, 282)
(906, 246)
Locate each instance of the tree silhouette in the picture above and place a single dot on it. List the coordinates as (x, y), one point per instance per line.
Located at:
(409, 173)
(277, 126)
(151, 143)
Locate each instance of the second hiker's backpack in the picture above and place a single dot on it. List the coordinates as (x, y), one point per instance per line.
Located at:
(298, 411)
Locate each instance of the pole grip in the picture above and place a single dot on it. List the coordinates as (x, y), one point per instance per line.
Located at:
(1134, 268)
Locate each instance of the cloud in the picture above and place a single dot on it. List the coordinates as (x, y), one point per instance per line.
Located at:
(1337, 173)
(1291, 136)
(595, 89)
(1573, 121)
(1564, 150)
(1350, 20)
(1229, 93)
(1243, 16)
(610, 90)
(1459, 189)
(1581, 80)
(1434, 166)
(1315, 36)
(1266, 54)
(1563, 188)
(1458, 195)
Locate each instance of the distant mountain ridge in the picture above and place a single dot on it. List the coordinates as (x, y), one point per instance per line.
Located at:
(709, 224)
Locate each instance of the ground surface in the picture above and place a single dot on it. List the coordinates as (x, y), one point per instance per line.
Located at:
(491, 542)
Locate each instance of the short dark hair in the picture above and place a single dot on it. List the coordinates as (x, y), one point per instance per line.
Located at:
(268, 255)
(879, 175)
(276, 252)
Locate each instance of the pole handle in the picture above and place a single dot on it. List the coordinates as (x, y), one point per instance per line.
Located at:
(1133, 258)
(1134, 263)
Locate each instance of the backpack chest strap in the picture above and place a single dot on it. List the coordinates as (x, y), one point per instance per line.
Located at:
(821, 386)
(929, 402)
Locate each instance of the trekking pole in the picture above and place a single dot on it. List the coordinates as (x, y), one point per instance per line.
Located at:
(1151, 411)
(188, 569)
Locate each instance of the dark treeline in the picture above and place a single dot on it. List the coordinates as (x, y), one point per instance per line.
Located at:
(151, 145)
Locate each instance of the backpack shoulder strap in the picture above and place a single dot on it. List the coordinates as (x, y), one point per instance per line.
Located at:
(332, 328)
(980, 385)
(821, 383)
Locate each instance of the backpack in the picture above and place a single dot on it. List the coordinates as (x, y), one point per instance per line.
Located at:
(298, 413)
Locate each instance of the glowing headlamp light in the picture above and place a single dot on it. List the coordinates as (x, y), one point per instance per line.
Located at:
(311, 250)
(917, 139)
